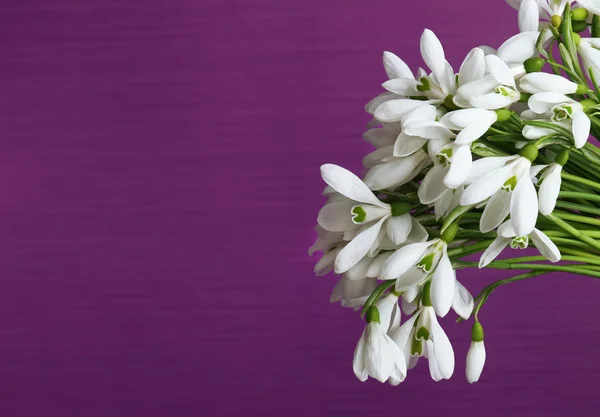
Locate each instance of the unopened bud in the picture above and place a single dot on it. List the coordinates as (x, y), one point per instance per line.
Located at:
(534, 64)
(579, 15)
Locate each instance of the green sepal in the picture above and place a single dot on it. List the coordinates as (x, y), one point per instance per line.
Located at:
(534, 64)
(529, 151)
(562, 158)
(449, 234)
(579, 15)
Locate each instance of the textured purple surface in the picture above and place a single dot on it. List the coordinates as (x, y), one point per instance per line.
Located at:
(159, 163)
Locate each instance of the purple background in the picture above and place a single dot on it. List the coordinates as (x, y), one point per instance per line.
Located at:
(159, 163)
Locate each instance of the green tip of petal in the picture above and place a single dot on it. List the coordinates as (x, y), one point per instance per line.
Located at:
(425, 296)
(422, 334)
(373, 315)
(477, 332)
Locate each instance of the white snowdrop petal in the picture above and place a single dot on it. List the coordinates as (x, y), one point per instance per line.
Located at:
(429, 130)
(348, 184)
(519, 48)
(492, 252)
(395, 67)
(460, 166)
(495, 211)
(492, 101)
(379, 137)
(473, 67)
(486, 186)
(358, 363)
(545, 245)
(337, 216)
(484, 166)
(529, 16)
(407, 145)
(463, 302)
(442, 349)
(403, 259)
(375, 267)
(411, 278)
(524, 207)
(432, 187)
(377, 101)
(549, 190)
(475, 361)
(399, 227)
(477, 128)
(378, 358)
(593, 6)
(432, 52)
(394, 110)
(500, 71)
(443, 286)
(581, 129)
(354, 251)
(394, 173)
(541, 82)
(543, 102)
(402, 86)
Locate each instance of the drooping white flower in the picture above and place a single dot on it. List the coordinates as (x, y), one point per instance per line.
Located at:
(412, 264)
(376, 355)
(508, 236)
(476, 355)
(363, 222)
(508, 181)
(353, 293)
(422, 335)
(562, 110)
(589, 49)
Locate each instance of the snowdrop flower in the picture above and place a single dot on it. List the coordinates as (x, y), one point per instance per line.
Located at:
(496, 90)
(412, 264)
(564, 111)
(508, 181)
(437, 87)
(551, 10)
(508, 236)
(422, 335)
(325, 240)
(366, 219)
(588, 48)
(476, 354)
(550, 183)
(376, 355)
(389, 311)
(353, 293)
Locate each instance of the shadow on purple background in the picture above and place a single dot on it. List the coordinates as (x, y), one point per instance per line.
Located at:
(160, 185)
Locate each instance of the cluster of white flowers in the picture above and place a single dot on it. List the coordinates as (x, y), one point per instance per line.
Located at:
(464, 159)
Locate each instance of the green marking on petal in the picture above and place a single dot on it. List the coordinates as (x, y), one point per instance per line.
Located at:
(562, 112)
(444, 156)
(510, 184)
(424, 86)
(426, 263)
(422, 334)
(358, 214)
(416, 349)
(519, 242)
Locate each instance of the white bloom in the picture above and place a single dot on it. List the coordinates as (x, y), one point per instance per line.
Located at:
(476, 355)
(564, 111)
(496, 90)
(325, 240)
(507, 235)
(353, 293)
(412, 264)
(363, 222)
(376, 355)
(589, 49)
(508, 181)
(389, 311)
(426, 338)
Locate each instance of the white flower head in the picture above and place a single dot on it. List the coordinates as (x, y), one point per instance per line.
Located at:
(476, 355)
(376, 355)
(507, 236)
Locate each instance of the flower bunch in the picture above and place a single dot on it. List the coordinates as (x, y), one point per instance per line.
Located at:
(467, 162)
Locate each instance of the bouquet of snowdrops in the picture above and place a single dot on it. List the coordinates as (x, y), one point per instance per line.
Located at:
(494, 156)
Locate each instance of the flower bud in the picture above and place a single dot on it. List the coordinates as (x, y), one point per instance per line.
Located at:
(534, 64)
(582, 89)
(576, 38)
(476, 354)
(556, 20)
(579, 15)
